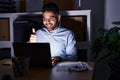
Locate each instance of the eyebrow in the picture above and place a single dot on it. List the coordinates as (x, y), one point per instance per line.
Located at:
(53, 16)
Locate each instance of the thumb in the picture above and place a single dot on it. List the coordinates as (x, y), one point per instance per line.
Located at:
(33, 30)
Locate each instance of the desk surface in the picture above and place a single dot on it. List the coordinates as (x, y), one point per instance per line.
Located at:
(52, 74)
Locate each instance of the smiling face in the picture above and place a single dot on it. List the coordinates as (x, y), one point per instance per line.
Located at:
(50, 20)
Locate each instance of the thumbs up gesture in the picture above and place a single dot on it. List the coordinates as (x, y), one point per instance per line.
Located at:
(33, 36)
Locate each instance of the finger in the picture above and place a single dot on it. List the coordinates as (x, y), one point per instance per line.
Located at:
(32, 40)
(53, 61)
(33, 30)
(33, 35)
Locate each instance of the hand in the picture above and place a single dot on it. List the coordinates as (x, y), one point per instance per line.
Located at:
(55, 59)
(33, 37)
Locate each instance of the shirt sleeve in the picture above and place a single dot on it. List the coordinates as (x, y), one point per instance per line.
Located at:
(71, 47)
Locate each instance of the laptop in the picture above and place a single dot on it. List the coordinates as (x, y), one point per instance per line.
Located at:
(39, 53)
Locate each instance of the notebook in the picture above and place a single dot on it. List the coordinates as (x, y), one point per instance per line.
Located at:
(39, 53)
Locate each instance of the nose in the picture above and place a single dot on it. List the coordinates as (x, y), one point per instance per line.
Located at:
(47, 20)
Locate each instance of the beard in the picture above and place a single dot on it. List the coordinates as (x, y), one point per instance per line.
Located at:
(51, 26)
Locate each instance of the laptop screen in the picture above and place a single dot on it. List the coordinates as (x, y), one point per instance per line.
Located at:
(39, 53)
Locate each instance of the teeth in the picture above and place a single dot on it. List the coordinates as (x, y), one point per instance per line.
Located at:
(49, 25)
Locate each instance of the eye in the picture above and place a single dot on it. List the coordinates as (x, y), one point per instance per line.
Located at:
(51, 18)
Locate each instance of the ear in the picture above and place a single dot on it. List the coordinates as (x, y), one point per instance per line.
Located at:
(59, 17)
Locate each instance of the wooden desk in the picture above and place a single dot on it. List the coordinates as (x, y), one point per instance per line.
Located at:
(52, 74)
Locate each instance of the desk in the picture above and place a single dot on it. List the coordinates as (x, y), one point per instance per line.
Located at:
(52, 74)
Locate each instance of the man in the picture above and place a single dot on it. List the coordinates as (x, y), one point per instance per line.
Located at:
(62, 41)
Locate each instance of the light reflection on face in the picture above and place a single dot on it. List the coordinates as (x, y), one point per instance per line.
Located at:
(50, 20)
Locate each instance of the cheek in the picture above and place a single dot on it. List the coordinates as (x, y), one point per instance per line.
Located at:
(53, 22)
(44, 22)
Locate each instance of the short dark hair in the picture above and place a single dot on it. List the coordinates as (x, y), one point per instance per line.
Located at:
(51, 7)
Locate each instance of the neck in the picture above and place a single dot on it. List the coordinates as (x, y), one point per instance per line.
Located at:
(52, 30)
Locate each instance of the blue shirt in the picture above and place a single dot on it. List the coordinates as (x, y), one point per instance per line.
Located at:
(62, 42)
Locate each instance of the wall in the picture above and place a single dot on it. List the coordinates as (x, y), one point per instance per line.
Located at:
(112, 13)
(31, 5)
(17, 5)
(97, 17)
